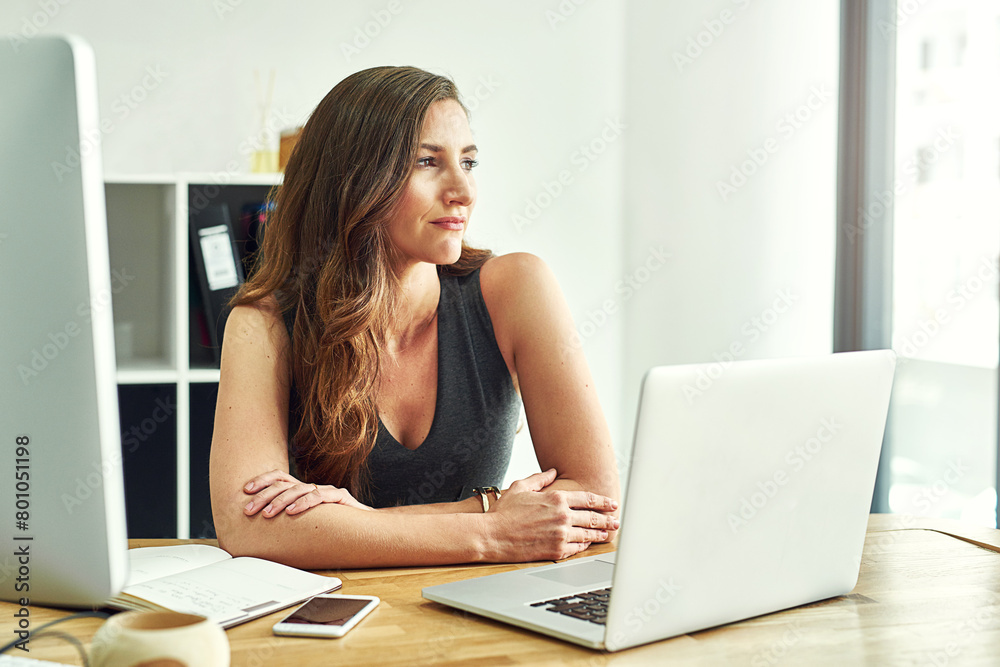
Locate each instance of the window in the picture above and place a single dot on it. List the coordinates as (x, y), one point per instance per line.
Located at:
(946, 250)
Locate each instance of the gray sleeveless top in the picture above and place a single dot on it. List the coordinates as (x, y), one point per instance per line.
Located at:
(475, 416)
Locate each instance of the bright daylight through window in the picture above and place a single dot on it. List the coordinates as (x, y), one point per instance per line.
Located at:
(946, 316)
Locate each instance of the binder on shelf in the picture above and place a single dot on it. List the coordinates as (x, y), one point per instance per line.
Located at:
(220, 271)
(253, 219)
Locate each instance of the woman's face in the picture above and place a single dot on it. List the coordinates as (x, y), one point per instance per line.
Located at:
(436, 206)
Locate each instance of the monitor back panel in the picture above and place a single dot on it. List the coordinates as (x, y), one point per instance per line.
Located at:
(63, 532)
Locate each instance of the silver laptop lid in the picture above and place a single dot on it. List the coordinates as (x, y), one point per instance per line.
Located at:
(749, 490)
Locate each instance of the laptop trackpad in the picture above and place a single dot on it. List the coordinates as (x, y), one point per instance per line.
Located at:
(578, 574)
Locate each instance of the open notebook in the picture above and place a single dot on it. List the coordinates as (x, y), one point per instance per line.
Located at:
(205, 580)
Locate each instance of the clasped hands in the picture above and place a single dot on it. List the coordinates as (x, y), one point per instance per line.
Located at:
(529, 522)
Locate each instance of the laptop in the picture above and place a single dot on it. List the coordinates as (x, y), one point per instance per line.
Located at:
(748, 492)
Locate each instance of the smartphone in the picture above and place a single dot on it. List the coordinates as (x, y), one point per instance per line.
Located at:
(326, 616)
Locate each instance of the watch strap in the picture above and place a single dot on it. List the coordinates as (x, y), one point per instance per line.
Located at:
(484, 494)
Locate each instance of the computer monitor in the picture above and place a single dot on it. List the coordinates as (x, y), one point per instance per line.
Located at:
(63, 538)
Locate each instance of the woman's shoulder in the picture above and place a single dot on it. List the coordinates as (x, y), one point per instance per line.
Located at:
(255, 347)
(513, 273)
(265, 308)
(259, 322)
(515, 287)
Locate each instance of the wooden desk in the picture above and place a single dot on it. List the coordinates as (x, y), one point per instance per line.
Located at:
(928, 593)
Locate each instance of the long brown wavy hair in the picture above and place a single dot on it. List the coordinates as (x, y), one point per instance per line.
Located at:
(326, 256)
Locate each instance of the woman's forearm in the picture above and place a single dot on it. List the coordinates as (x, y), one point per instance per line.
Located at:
(474, 505)
(471, 505)
(530, 522)
(332, 536)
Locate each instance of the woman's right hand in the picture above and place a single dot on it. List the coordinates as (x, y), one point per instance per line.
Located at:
(277, 490)
(531, 522)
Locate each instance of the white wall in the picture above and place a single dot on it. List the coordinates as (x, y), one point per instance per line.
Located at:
(707, 82)
(541, 86)
(589, 92)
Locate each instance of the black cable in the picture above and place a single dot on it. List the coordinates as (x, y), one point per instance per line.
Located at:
(62, 635)
(69, 638)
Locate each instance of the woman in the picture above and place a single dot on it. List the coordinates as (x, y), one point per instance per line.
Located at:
(387, 357)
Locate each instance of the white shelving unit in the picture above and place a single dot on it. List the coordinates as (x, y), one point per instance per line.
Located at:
(151, 283)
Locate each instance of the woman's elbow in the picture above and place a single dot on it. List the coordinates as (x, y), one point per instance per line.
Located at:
(231, 534)
(237, 533)
(242, 535)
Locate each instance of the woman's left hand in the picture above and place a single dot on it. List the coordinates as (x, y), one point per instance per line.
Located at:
(276, 490)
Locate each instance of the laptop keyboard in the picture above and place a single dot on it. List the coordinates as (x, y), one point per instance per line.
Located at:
(591, 606)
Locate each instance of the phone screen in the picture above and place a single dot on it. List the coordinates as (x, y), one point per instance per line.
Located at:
(327, 611)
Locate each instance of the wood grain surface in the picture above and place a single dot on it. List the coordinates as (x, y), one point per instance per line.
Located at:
(928, 594)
